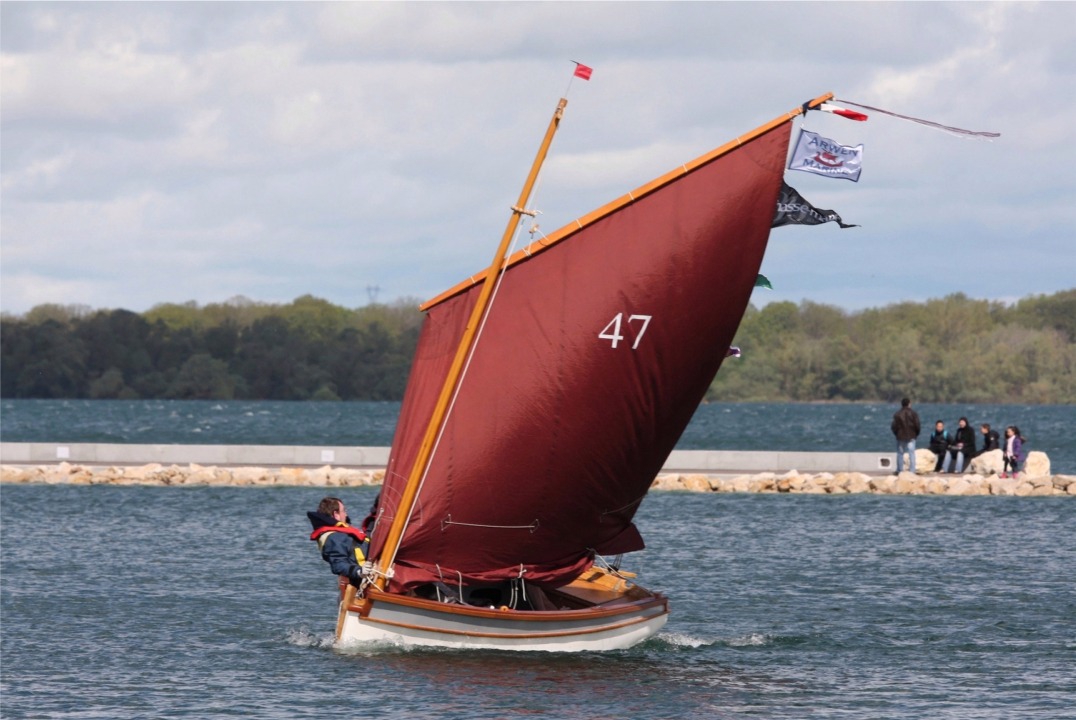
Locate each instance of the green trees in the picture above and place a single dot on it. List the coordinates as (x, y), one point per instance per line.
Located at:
(952, 349)
(308, 349)
(203, 378)
(42, 360)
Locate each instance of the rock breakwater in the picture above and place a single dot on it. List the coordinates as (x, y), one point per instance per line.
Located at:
(846, 483)
(825, 483)
(157, 474)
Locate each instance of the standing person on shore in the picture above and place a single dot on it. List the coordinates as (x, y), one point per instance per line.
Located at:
(905, 427)
(1013, 452)
(991, 439)
(963, 447)
(940, 440)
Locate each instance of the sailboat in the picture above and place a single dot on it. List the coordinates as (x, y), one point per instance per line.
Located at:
(546, 393)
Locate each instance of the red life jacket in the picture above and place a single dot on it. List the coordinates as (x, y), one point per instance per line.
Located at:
(360, 537)
(354, 532)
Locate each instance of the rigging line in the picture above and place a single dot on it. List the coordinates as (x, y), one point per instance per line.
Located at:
(636, 501)
(449, 521)
(570, 79)
(466, 348)
(519, 587)
(613, 569)
(462, 377)
(441, 575)
(381, 507)
(523, 582)
(370, 570)
(377, 520)
(533, 202)
(929, 123)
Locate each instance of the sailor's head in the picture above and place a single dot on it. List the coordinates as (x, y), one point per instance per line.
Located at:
(334, 508)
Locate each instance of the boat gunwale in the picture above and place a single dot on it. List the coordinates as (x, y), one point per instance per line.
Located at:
(364, 607)
(636, 620)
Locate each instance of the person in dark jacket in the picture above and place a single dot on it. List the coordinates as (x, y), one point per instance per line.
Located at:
(991, 439)
(342, 546)
(905, 427)
(963, 447)
(940, 440)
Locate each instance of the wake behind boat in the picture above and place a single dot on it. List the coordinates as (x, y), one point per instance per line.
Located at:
(545, 394)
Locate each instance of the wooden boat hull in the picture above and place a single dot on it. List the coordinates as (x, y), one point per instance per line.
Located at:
(607, 620)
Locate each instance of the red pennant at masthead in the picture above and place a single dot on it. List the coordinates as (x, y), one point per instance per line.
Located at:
(582, 71)
(843, 112)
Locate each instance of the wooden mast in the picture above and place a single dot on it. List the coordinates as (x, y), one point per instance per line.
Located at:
(455, 371)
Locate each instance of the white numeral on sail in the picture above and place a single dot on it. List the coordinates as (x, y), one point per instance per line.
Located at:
(611, 332)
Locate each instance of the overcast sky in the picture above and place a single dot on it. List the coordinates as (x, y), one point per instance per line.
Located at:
(159, 152)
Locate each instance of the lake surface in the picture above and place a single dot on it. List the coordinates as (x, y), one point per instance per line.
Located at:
(210, 602)
(850, 427)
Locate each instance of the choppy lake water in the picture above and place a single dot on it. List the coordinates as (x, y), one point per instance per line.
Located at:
(150, 602)
(850, 427)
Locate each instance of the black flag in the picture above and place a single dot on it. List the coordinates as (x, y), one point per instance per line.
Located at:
(792, 209)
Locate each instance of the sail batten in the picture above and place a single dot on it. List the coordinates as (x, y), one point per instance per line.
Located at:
(591, 364)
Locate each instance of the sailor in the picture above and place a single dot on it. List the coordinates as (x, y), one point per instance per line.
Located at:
(342, 546)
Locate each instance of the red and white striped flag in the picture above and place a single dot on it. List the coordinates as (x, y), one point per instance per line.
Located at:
(843, 112)
(928, 123)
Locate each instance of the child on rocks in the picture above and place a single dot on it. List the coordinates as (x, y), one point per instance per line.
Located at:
(1012, 453)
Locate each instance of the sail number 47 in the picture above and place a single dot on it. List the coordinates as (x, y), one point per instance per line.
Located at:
(612, 331)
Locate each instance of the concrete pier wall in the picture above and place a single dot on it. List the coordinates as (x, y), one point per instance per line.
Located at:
(260, 455)
(680, 461)
(692, 471)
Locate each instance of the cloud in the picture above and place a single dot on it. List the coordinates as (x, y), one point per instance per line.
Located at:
(157, 152)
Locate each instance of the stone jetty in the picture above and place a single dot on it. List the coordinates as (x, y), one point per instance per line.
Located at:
(847, 483)
(982, 478)
(157, 474)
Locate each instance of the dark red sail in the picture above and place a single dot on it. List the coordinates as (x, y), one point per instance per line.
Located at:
(595, 354)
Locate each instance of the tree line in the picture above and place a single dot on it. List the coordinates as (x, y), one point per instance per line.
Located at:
(306, 350)
(953, 349)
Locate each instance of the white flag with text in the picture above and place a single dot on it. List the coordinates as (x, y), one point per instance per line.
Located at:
(821, 156)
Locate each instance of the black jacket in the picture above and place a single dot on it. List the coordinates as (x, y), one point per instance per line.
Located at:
(940, 442)
(905, 424)
(966, 436)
